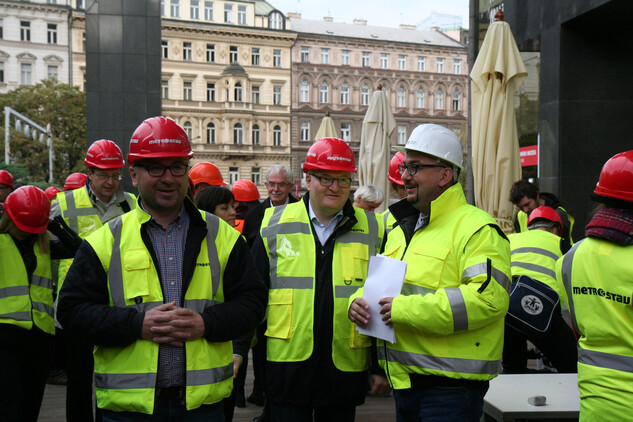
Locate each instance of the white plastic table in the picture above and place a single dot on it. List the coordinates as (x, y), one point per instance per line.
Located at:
(507, 398)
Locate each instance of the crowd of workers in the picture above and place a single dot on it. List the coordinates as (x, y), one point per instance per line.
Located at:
(157, 298)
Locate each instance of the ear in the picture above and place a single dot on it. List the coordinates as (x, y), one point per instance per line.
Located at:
(133, 176)
(446, 177)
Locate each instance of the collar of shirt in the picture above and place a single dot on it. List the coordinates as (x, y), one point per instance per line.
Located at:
(423, 221)
(182, 216)
(322, 231)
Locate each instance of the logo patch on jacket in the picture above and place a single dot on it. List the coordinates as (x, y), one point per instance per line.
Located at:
(285, 247)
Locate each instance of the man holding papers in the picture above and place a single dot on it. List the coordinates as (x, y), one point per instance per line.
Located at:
(449, 316)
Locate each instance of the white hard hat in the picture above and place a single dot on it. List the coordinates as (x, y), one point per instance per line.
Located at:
(436, 141)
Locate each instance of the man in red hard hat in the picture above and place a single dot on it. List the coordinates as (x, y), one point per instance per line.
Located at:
(246, 197)
(75, 181)
(6, 187)
(95, 201)
(314, 255)
(162, 290)
(206, 174)
(534, 254)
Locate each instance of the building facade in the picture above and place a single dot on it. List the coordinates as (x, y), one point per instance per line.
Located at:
(336, 68)
(33, 43)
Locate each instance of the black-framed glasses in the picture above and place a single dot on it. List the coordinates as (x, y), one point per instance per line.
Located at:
(326, 182)
(105, 176)
(158, 170)
(412, 169)
(282, 185)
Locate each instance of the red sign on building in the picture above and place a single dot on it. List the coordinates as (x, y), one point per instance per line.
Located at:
(529, 155)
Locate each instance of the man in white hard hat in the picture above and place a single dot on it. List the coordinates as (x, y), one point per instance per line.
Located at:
(449, 316)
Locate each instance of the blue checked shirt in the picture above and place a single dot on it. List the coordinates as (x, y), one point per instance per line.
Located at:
(169, 246)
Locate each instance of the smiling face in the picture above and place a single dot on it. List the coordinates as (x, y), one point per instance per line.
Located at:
(226, 212)
(327, 201)
(278, 188)
(427, 184)
(162, 196)
(104, 182)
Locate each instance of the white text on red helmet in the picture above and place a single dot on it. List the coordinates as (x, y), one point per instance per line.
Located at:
(165, 141)
(339, 159)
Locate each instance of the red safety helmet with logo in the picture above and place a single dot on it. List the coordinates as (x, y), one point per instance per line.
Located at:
(330, 154)
(6, 178)
(394, 173)
(159, 137)
(75, 181)
(616, 178)
(546, 213)
(206, 173)
(245, 191)
(28, 208)
(52, 191)
(104, 154)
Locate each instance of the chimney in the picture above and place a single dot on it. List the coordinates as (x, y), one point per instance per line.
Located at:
(295, 15)
(328, 19)
(405, 26)
(360, 22)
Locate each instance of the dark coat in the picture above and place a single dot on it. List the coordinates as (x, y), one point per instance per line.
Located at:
(253, 219)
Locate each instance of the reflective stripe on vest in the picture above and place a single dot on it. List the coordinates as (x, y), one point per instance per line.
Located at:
(14, 291)
(458, 308)
(568, 260)
(466, 366)
(605, 360)
(482, 268)
(414, 289)
(72, 212)
(536, 268)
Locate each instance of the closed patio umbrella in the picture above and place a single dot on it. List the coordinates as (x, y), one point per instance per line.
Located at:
(327, 129)
(375, 145)
(496, 75)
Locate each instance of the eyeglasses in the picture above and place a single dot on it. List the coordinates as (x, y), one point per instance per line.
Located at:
(412, 169)
(104, 176)
(326, 182)
(281, 185)
(158, 170)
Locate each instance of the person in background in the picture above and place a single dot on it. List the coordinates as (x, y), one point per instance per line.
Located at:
(449, 316)
(27, 327)
(204, 175)
(161, 291)
(52, 192)
(527, 197)
(85, 209)
(397, 187)
(246, 197)
(219, 201)
(6, 187)
(534, 254)
(598, 279)
(75, 181)
(314, 255)
(368, 197)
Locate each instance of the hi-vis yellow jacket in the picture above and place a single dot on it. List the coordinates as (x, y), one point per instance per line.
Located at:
(125, 377)
(289, 241)
(449, 317)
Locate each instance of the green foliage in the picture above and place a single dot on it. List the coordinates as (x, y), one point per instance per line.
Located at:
(64, 107)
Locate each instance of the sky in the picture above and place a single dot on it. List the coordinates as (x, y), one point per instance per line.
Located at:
(390, 13)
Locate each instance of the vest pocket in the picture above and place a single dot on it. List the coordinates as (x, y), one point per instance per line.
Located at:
(279, 314)
(358, 340)
(425, 265)
(136, 263)
(354, 259)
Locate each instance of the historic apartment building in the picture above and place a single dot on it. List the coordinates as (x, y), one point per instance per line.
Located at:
(336, 67)
(33, 43)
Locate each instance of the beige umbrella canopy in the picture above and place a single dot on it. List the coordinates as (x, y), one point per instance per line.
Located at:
(375, 146)
(496, 75)
(327, 129)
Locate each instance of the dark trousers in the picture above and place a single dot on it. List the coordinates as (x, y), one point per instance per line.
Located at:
(25, 359)
(259, 360)
(291, 413)
(79, 370)
(170, 410)
(229, 402)
(446, 403)
(558, 344)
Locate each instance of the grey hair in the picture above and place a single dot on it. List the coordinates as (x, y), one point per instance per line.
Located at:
(280, 168)
(369, 193)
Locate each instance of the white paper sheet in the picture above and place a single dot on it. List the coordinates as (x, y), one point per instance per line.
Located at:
(385, 277)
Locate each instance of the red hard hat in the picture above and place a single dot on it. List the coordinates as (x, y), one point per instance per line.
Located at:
(52, 191)
(159, 137)
(245, 191)
(206, 173)
(28, 207)
(6, 178)
(330, 154)
(394, 172)
(104, 154)
(75, 181)
(616, 177)
(547, 213)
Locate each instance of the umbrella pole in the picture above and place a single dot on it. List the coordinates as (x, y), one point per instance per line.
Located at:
(473, 48)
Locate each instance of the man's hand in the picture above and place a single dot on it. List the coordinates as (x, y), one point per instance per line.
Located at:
(385, 309)
(237, 362)
(173, 325)
(379, 386)
(358, 312)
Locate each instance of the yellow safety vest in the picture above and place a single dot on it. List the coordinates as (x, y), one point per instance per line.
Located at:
(534, 253)
(125, 377)
(82, 217)
(463, 290)
(289, 241)
(597, 277)
(522, 218)
(390, 220)
(25, 302)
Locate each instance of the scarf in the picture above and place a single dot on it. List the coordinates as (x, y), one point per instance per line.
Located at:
(613, 224)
